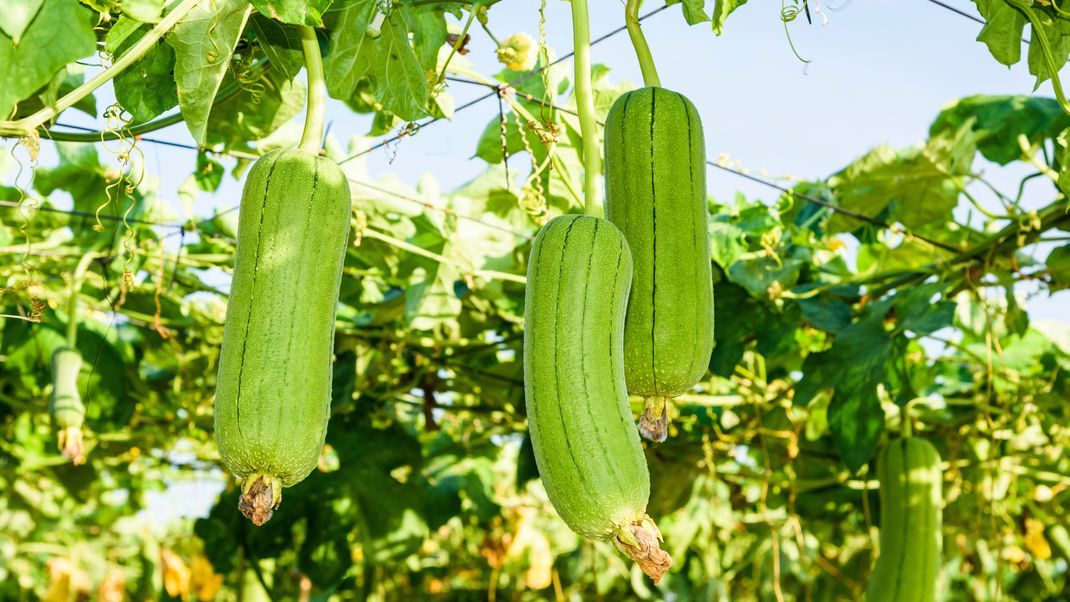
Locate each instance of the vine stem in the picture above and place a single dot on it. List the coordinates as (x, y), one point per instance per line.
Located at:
(592, 159)
(1045, 51)
(143, 128)
(905, 426)
(312, 136)
(455, 48)
(76, 288)
(642, 49)
(27, 125)
(411, 248)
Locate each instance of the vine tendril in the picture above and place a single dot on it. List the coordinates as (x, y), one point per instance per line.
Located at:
(788, 13)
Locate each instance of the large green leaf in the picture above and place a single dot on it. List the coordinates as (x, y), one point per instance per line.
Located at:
(389, 61)
(695, 10)
(281, 43)
(147, 88)
(997, 121)
(1003, 29)
(17, 16)
(721, 10)
(862, 358)
(296, 12)
(60, 33)
(920, 186)
(204, 41)
(256, 111)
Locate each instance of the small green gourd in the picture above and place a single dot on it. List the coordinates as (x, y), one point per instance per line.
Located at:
(908, 567)
(585, 443)
(65, 405)
(656, 194)
(273, 390)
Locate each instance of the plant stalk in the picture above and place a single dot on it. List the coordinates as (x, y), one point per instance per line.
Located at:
(642, 49)
(312, 136)
(592, 158)
(76, 289)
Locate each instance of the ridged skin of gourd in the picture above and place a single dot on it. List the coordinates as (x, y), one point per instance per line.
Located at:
(908, 567)
(274, 385)
(66, 403)
(585, 443)
(656, 194)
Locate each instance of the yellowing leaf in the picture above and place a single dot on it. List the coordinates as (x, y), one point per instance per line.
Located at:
(204, 581)
(176, 575)
(66, 581)
(530, 542)
(1035, 542)
(113, 587)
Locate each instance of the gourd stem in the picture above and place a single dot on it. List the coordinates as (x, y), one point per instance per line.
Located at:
(75, 291)
(642, 50)
(27, 125)
(311, 137)
(592, 160)
(905, 426)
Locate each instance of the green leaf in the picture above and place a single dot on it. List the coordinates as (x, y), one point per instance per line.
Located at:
(489, 147)
(997, 121)
(918, 312)
(826, 312)
(1057, 32)
(908, 255)
(295, 12)
(209, 174)
(389, 61)
(146, 11)
(204, 41)
(61, 32)
(281, 43)
(66, 80)
(855, 424)
(256, 111)
(428, 26)
(389, 509)
(721, 10)
(694, 10)
(862, 357)
(759, 274)
(1002, 32)
(325, 554)
(465, 479)
(147, 88)
(17, 16)
(920, 184)
(1058, 263)
(727, 243)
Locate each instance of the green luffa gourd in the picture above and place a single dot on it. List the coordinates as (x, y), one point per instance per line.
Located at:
(656, 194)
(274, 385)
